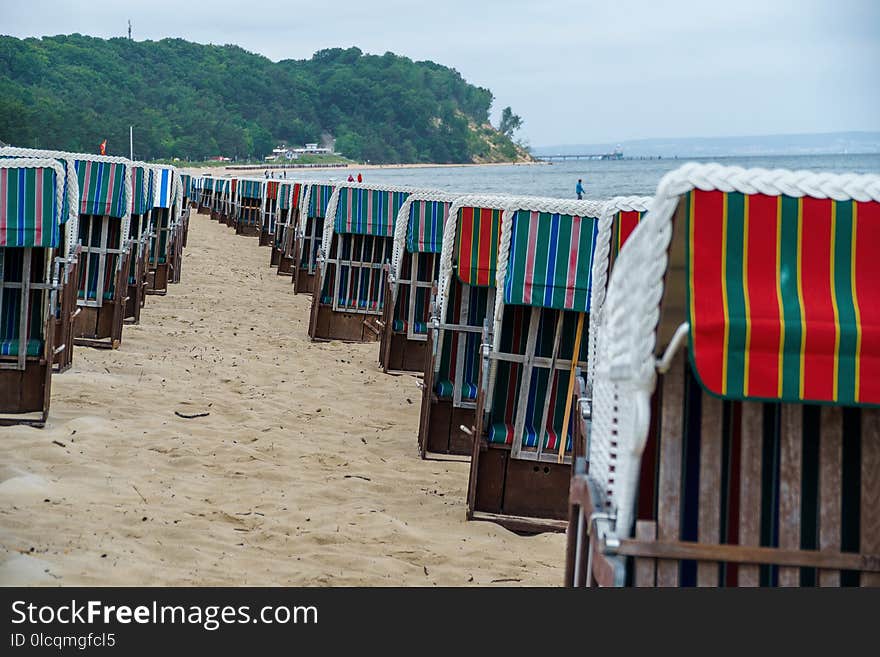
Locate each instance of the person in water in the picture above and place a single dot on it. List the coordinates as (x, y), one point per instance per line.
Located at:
(579, 190)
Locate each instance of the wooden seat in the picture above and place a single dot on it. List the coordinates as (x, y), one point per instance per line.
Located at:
(734, 434)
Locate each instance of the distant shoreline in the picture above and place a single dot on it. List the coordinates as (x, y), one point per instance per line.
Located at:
(237, 170)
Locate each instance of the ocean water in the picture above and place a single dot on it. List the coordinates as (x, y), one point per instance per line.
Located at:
(602, 179)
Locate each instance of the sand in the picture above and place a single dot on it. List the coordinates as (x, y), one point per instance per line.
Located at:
(306, 471)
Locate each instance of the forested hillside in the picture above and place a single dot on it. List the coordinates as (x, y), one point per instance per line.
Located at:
(194, 101)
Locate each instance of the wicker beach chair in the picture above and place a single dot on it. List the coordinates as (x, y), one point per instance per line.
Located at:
(415, 265)
(250, 193)
(67, 261)
(269, 211)
(463, 306)
(31, 210)
(534, 348)
(288, 207)
(734, 438)
(307, 235)
(356, 245)
(206, 196)
(163, 256)
(179, 227)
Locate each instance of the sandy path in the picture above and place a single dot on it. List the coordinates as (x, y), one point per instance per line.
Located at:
(305, 472)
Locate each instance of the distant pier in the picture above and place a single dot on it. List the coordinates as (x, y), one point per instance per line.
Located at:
(616, 155)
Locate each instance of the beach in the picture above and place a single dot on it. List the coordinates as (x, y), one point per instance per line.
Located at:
(302, 468)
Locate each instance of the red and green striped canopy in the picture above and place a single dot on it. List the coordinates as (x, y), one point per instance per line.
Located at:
(28, 214)
(624, 224)
(784, 297)
(319, 199)
(367, 211)
(272, 190)
(251, 189)
(101, 188)
(479, 230)
(551, 260)
(284, 195)
(424, 234)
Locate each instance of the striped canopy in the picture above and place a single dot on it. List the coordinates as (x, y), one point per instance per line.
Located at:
(208, 184)
(29, 216)
(251, 189)
(272, 189)
(479, 230)
(319, 199)
(784, 297)
(142, 183)
(624, 224)
(101, 187)
(424, 232)
(367, 211)
(187, 182)
(163, 188)
(285, 195)
(551, 260)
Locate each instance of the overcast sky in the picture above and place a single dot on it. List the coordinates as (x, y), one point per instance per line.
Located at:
(576, 71)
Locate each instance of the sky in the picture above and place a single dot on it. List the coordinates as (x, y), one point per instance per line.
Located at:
(583, 71)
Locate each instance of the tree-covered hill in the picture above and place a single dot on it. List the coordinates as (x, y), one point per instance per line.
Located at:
(195, 101)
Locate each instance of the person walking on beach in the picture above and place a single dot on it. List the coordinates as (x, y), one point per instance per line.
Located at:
(350, 178)
(360, 177)
(579, 190)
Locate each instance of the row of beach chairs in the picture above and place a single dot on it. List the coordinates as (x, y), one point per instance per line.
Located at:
(83, 240)
(686, 384)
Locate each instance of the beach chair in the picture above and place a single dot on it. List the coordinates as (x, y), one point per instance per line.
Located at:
(162, 242)
(349, 294)
(734, 434)
(269, 212)
(288, 203)
(206, 196)
(251, 193)
(533, 350)
(67, 261)
(463, 305)
(105, 187)
(140, 229)
(307, 235)
(415, 264)
(31, 209)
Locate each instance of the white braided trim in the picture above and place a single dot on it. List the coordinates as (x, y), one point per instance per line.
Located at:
(599, 277)
(625, 369)
(402, 225)
(333, 204)
(41, 163)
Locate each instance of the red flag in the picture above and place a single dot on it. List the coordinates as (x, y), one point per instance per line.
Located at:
(104, 147)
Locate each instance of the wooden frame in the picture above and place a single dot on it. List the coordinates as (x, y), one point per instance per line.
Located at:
(306, 247)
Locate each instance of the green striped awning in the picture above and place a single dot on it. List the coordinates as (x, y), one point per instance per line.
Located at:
(29, 216)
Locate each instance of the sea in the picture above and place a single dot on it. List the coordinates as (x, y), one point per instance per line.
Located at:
(602, 179)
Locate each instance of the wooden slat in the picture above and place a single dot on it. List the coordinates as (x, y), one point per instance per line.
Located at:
(870, 503)
(709, 530)
(669, 487)
(674, 551)
(750, 486)
(790, 469)
(525, 383)
(645, 569)
(830, 460)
